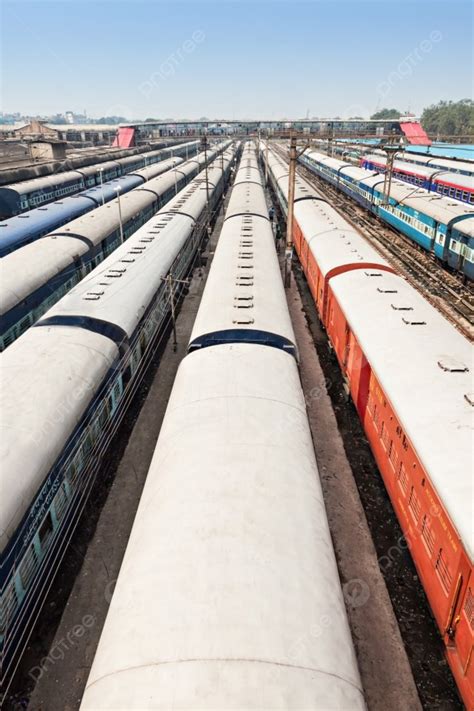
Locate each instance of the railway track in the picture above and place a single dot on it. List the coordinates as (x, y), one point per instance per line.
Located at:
(443, 289)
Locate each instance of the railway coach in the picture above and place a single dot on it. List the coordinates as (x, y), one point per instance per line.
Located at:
(67, 383)
(229, 595)
(28, 194)
(398, 356)
(441, 226)
(26, 228)
(453, 165)
(34, 277)
(453, 185)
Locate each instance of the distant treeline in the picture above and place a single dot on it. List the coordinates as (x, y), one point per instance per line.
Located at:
(446, 118)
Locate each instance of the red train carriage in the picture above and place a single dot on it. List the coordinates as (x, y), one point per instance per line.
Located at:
(408, 372)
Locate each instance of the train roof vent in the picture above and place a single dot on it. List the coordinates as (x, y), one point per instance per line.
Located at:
(243, 302)
(413, 322)
(452, 365)
(469, 397)
(243, 321)
(401, 308)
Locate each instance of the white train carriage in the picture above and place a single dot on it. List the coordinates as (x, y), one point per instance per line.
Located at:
(86, 357)
(244, 293)
(228, 596)
(36, 276)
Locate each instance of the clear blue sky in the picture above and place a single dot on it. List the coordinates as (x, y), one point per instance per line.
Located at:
(263, 58)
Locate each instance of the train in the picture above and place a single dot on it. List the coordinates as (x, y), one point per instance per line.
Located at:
(28, 194)
(442, 227)
(228, 596)
(438, 180)
(453, 165)
(409, 374)
(68, 381)
(34, 277)
(22, 229)
(354, 152)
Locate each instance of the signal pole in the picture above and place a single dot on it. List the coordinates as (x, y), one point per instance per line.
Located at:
(294, 155)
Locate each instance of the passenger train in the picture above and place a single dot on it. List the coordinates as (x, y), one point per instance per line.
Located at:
(441, 226)
(409, 373)
(229, 596)
(34, 277)
(22, 229)
(438, 180)
(67, 382)
(26, 195)
(453, 165)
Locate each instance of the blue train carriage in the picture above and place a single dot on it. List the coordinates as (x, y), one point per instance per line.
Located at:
(28, 194)
(32, 193)
(19, 230)
(461, 246)
(323, 165)
(439, 225)
(443, 182)
(83, 360)
(345, 176)
(358, 184)
(433, 222)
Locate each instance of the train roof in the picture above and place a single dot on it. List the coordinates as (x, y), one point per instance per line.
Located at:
(17, 229)
(244, 289)
(46, 387)
(424, 366)
(33, 265)
(443, 209)
(62, 365)
(433, 161)
(29, 186)
(242, 606)
(463, 182)
(466, 227)
(122, 286)
(332, 239)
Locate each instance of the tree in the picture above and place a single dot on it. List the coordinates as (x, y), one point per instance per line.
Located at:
(387, 114)
(449, 118)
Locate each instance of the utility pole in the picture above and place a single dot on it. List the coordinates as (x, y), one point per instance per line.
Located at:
(206, 174)
(390, 149)
(266, 161)
(101, 170)
(171, 281)
(289, 221)
(117, 190)
(294, 155)
(173, 314)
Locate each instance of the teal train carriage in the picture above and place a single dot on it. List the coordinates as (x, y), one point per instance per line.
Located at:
(439, 225)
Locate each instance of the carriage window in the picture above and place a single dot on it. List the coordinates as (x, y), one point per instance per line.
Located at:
(45, 530)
